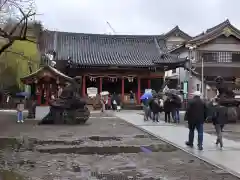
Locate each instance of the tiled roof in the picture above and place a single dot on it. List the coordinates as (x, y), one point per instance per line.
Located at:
(104, 50)
(47, 68)
(215, 32)
(179, 32)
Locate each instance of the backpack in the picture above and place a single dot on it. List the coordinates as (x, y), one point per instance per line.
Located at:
(232, 114)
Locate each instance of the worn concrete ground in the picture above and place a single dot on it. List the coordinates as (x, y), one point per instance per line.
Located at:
(105, 148)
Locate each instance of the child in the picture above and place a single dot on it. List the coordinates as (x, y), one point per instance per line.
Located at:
(20, 108)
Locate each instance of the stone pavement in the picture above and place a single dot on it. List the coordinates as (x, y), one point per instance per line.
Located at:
(228, 158)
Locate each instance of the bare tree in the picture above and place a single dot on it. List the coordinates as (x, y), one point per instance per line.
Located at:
(14, 20)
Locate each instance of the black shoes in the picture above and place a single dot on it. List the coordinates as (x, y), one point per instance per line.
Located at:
(191, 146)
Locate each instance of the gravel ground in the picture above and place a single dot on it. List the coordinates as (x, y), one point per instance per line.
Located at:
(95, 151)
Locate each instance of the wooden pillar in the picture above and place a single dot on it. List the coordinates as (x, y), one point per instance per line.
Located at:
(100, 84)
(149, 84)
(83, 85)
(139, 90)
(47, 94)
(122, 89)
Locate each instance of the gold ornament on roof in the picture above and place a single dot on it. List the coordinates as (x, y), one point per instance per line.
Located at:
(227, 32)
(237, 81)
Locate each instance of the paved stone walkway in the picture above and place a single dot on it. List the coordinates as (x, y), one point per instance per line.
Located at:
(228, 158)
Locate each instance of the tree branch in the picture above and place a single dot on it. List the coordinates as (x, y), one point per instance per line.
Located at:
(19, 31)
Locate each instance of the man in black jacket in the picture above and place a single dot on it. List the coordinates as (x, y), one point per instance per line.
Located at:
(196, 115)
(155, 108)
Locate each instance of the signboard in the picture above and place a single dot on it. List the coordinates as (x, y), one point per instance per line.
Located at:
(92, 91)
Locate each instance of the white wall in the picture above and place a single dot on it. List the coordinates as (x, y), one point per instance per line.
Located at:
(183, 75)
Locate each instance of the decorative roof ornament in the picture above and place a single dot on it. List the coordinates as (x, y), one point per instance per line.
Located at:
(237, 81)
(227, 32)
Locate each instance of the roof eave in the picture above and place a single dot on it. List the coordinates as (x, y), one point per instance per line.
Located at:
(206, 40)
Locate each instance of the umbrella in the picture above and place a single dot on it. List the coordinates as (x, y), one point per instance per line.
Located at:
(24, 94)
(146, 95)
(172, 91)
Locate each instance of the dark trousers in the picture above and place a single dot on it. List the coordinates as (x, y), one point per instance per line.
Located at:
(192, 128)
(167, 117)
(155, 116)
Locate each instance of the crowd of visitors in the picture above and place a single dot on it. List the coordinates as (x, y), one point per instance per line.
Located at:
(111, 102)
(196, 114)
(170, 105)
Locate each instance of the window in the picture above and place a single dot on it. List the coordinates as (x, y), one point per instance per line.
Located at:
(217, 57)
(174, 71)
(198, 87)
(235, 57)
(208, 57)
(225, 57)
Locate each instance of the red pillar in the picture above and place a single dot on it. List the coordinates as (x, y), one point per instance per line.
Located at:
(122, 89)
(139, 90)
(83, 85)
(47, 93)
(38, 93)
(149, 84)
(100, 85)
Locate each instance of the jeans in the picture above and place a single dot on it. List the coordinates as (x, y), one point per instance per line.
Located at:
(19, 116)
(177, 116)
(146, 112)
(192, 127)
(155, 117)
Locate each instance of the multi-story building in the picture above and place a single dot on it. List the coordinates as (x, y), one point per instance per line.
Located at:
(175, 39)
(218, 50)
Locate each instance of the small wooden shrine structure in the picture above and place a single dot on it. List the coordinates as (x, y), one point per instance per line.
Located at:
(46, 83)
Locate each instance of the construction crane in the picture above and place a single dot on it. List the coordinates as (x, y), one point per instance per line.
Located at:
(111, 27)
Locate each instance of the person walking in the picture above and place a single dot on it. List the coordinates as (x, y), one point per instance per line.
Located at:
(20, 108)
(131, 97)
(167, 106)
(178, 105)
(196, 115)
(146, 109)
(103, 107)
(219, 118)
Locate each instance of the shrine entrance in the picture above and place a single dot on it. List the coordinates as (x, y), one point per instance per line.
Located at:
(46, 84)
(112, 85)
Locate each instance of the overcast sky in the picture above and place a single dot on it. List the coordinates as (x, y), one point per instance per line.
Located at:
(136, 16)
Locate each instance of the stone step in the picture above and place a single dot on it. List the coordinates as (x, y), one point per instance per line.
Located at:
(103, 150)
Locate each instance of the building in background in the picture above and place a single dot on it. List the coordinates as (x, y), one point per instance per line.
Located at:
(219, 49)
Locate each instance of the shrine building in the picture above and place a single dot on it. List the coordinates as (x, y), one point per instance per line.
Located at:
(115, 63)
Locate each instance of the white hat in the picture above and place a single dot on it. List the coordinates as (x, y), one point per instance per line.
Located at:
(196, 93)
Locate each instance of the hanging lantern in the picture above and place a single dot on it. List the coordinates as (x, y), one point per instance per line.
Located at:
(93, 79)
(35, 81)
(130, 79)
